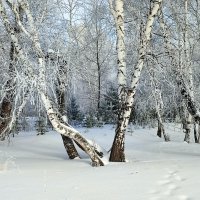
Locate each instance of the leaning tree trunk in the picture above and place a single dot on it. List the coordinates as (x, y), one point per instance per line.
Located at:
(126, 96)
(60, 91)
(64, 129)
(60, 126)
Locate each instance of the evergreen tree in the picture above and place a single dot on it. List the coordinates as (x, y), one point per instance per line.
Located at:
(41, 125)
(90, 120)
(109, 108)
(73, 111)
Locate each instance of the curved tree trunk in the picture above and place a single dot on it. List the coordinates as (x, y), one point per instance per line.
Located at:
(68, 143)
(60, 126)
(60, 94)
(64, 129)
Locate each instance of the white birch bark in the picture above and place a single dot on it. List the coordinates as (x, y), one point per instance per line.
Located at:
(159, 105)
(188, 70)
(60, 126)
(184, 87)
(142, 53)
(118, 15)
(8, 108)
(126, 97)
(60, 94)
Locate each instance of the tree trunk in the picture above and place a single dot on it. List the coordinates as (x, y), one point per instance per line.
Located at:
(187, 127)
(60, 126)
(126, 97)
(64, 129)
(7, 103)
(117, 150)
(185, 89)
(185, 116)
(6, 106)
(158, 104)
(68, 143)
(69, 147)
(188, 71)
(159, 130)
(196, 133)
(99, 77)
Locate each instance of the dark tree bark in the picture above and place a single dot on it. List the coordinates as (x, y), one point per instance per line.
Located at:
(126, 96)
(99, 91)
(99, 78)
(60, 126)
(159, 131)
(7, 103)
(185, 89)
(117, 151)
(6, 106)
(68, 143)
(187, 133)
(195, 133)
(186, 121)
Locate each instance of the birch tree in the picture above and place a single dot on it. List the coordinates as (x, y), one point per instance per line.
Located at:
(96, 48)
(126, 94)
(57, 59)
(185, 62)
(10, 87)
(59, 125)
(188, 69)
(182, 82)
(157, 95)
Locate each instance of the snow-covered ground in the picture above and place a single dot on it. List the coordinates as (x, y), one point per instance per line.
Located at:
(37, 168)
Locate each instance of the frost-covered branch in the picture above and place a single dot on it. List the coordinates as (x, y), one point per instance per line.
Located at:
(127, 94)
(185, 90)
(60, 126)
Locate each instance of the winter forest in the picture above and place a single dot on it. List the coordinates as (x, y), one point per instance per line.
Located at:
(111, 83)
